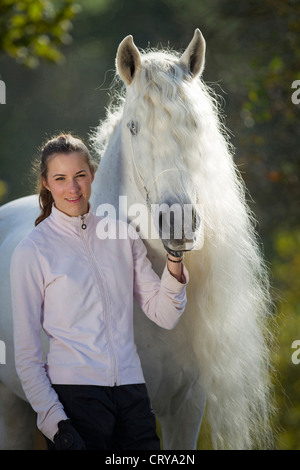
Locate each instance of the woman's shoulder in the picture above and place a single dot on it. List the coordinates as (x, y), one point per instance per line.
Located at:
(31, 241)
(26, 247)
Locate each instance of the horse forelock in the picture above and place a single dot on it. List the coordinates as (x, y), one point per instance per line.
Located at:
(163, 93)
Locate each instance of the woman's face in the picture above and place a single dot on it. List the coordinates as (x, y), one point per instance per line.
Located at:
(69, 180)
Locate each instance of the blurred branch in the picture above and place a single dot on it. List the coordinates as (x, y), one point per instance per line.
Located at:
(34, 30)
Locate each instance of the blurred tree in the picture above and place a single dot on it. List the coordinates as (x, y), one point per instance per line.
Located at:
(31, 30)
(265, 123)
(3, 189)
(267, 120)
(286, 272)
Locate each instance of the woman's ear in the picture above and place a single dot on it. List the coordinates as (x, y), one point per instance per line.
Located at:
(45, 184)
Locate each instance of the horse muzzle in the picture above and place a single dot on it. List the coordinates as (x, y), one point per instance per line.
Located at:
(179, 226)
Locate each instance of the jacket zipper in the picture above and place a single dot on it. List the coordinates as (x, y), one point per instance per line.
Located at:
(102, 285)
(83, 225)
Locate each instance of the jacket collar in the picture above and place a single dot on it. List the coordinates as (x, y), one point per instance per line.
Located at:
(68, 221)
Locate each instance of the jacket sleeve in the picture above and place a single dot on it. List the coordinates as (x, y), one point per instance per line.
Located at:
(27, 293)
(162, 300)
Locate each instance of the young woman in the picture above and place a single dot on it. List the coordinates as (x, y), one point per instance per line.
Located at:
(90, 391)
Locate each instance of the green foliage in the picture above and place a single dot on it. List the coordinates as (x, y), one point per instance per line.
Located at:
(3, 189)
(31, 30)
(267, 33)
(286, 272)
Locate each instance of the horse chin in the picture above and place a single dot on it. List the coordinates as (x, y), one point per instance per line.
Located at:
(179, 245)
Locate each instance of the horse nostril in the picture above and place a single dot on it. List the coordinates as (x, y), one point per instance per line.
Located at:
(170, 225)
(195, 220)
(160, 223)
(166, 225)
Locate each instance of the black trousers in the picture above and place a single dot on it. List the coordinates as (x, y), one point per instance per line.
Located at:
(110, 418)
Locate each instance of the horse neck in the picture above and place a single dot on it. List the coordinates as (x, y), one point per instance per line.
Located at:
(114, 176)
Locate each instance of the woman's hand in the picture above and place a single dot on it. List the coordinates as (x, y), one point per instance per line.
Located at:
(67, 438)
(174, 264)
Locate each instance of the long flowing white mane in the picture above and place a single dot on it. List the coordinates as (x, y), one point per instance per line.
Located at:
(229, 291)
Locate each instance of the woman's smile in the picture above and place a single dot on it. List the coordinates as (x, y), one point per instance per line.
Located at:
(74, 199)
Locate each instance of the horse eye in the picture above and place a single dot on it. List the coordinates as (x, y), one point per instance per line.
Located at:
(133, 126)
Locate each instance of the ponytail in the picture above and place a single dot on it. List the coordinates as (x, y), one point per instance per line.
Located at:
(45, 202)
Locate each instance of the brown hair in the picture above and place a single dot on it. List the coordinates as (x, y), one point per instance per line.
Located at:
(63, 143)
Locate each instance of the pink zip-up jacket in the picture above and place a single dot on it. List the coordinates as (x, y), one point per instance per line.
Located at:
(80, 289)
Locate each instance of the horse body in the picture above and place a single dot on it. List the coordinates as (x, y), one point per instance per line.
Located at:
(165, 144)
(17, 419)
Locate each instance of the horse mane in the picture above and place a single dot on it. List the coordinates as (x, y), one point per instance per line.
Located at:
(229, 287)
(99, 137)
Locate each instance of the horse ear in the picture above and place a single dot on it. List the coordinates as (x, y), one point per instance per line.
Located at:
(194, 56)
(128, 59)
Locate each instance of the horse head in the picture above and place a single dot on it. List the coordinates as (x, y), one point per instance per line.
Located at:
(160, 127)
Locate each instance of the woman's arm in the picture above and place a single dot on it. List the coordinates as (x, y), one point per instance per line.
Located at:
(27, 293)
(162, 300)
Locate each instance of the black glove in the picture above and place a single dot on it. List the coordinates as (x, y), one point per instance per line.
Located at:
(67, 438)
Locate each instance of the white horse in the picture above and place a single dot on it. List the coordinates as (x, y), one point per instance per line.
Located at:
(164, 143)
